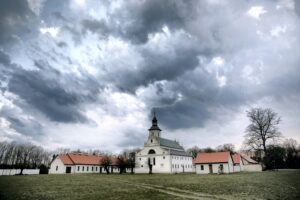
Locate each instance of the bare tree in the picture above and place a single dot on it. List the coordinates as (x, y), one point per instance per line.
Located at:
(226, 147)
(13, 155)
(193, 151)
(262, 129)
(207, 150)
(291, 153)
(131, 160)
(106, 161)
(122, 163)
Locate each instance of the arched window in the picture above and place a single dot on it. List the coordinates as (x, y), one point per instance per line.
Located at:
(151, 151)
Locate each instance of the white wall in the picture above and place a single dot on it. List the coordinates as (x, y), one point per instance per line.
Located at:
(87, 169)
(57, 167)
(164, 163)
(162, 160)
(237, 168)
(17, 171)
(78, 169)
(181, 164)
(230, 165)
(252, 168)
(227, 168)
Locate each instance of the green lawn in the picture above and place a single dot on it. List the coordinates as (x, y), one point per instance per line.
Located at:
(264, 185)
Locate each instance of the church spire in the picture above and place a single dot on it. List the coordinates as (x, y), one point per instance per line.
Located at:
(154, 123)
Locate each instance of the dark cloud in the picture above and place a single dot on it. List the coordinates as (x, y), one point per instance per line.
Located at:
(131, 139)
(27, 127)
(95, 26)
(150, 16)
(43, 90)
(184, 114)
(297, 8)
(16, 21)
(159, 53)
(62, 44)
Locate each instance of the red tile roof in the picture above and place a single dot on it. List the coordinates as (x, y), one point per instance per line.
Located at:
(65, 159)
(248, 159)
(214, 157)
(236, 158)
(83, 159)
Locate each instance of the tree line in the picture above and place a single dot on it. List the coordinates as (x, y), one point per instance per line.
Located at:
(125, 160)
(263, 141)
(23, 156)
(263, 138)
(29, 156)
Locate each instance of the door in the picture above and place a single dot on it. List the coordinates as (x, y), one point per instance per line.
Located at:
(68, 170)
(210, 169)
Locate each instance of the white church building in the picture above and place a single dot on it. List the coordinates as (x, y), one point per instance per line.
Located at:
(161, 155)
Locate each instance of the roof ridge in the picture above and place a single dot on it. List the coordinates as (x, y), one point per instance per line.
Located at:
(70, 158)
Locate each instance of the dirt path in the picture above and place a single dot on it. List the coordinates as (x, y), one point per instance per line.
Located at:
(186, 194)
(177, 192)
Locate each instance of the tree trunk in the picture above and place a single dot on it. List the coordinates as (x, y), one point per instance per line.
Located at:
(21, 172)
(106, 169)
(131, 170)
(150, 169)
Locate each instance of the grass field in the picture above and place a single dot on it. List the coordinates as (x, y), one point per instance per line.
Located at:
(265, 185)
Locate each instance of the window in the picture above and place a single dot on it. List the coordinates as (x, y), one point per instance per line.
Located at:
(87, 169)
(164, 157)
(153, 161)
(172, 165)
(83, 168)
(151, 151)
(78, 168)
(56, 168)
(221, 167)
(92, 168)
(140, 159)
(141, 165)
(96, 168)
(202, 167)
(151, 140)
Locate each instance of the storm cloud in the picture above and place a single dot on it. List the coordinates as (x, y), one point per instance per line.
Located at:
(104, 67)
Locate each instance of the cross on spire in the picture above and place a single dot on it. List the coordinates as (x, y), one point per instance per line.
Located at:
(154, 122)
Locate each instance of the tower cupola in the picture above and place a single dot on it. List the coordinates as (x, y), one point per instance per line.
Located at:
(154, 124)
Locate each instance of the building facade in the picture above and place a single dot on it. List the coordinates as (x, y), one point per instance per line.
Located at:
(76, 163)
(213, 163)
(161, 155)
(224, 162)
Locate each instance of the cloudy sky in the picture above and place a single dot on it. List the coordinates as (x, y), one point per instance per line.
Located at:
(88, 74)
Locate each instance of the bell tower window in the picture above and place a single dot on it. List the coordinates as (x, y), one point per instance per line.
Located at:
(151, 151)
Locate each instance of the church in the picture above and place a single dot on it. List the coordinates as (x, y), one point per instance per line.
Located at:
(161, 155)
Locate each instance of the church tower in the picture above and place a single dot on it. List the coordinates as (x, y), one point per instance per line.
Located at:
(154, 132)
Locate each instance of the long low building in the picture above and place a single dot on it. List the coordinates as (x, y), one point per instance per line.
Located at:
(80, 163)
(215, 162)
(224, 162)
